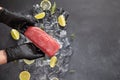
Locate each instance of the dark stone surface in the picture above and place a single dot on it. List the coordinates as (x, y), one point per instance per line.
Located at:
(96, 24)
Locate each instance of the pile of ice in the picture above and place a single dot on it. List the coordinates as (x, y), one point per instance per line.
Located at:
(40, 69)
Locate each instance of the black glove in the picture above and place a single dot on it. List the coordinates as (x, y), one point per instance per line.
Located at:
(15, 20)
(24, 51)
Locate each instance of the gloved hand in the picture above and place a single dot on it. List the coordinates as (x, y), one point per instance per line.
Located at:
(24, 51)
(15, 20)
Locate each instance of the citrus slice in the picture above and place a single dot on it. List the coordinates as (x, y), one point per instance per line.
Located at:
(28, 61)
(24, 75)
(15, 34)
(40, 15)
(53, 61)
(45, 4)
(54, 78)
(62, 21)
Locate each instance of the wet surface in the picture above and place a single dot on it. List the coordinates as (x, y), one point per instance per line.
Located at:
(95, 24)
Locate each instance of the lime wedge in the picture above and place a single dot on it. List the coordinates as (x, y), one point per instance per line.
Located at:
(28, 61)
(15, 34)
(62, 21)
(40, 15)
(53, 61)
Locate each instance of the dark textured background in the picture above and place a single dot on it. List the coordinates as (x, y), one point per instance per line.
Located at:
(96, 24)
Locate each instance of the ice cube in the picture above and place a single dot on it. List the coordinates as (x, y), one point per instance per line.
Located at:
(63, 33)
